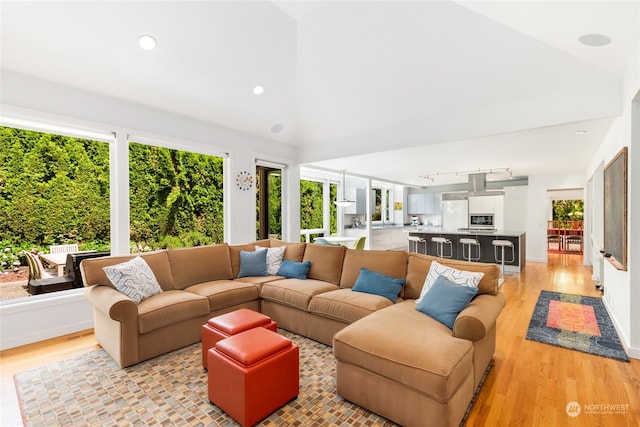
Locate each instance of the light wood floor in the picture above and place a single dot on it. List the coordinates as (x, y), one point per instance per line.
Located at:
(529, 385)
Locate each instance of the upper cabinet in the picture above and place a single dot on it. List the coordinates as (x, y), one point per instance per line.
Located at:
(424, 203)
(484, 204)
(488, 205)
(359, 195)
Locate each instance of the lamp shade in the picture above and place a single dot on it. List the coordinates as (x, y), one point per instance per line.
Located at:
(344, 203)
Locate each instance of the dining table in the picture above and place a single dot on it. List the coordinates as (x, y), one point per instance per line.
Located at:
(341, 240)
(58, 261)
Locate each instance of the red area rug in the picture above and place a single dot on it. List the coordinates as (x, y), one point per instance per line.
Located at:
(575, 322)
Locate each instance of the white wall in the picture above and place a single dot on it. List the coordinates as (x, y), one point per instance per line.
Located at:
(538, 205)
(621, 290)
(40, 317)
(27, 98)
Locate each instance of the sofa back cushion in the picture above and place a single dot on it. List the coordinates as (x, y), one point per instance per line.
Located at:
(294, 251)
(93, 274)
(326, 262)
(389, 263)
(419, 265)
(234, 253)
(200, 264)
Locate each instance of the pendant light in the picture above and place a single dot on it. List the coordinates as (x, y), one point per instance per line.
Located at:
(344, 202)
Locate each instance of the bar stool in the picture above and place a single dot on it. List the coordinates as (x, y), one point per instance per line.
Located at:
(416, 243)
(468, 243)
(502, 244)
(440, 242)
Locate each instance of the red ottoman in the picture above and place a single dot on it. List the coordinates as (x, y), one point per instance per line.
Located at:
(252, 374)
(226, 325)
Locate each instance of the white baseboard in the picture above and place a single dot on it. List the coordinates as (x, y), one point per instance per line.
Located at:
(40, 317)
(633, 352)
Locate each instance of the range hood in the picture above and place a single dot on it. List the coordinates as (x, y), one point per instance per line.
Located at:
(477, 187)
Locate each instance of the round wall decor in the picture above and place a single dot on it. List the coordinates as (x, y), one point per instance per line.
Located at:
(244, 180)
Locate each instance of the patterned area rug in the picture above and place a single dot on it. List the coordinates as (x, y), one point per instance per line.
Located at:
(575, 322)
(91, 390)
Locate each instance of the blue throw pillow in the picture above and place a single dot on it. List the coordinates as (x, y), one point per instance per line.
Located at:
(445, 300)
(371, 282)
(294, 270)
(253, 263)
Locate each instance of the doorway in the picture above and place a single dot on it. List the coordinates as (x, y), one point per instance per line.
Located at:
(565, 226)
(268, 202)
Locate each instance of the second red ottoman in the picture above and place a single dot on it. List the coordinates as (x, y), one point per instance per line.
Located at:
(230, 324)
(252, 374)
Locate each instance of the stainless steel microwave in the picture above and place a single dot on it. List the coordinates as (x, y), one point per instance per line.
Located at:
(482, 221)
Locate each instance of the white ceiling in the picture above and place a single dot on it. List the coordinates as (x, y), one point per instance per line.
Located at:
(389, 89)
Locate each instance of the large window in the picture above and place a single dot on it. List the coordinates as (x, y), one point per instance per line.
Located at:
(54, 189)
(381, 205)
(176, 198)
(318, 212)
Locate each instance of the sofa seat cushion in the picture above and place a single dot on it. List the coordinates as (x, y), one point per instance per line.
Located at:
(225, 293)
(347, 306)
(295, 293)
(404, 345)
(258, 280)
(168, 308)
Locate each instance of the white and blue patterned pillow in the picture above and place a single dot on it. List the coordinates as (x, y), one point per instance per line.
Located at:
(469, 279)
(274, 259)
(133, 278)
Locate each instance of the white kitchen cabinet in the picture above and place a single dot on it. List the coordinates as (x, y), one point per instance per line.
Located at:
(484, 204)
(355, 232)
(437, 203)
(381, 239)
(359, 196)
(399, 238)
(454, 214)
(498, 212)
(424, 203)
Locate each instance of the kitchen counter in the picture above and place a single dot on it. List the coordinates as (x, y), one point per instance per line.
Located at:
(485, 238)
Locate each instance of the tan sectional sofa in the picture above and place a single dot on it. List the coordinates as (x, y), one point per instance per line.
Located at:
(391, 358)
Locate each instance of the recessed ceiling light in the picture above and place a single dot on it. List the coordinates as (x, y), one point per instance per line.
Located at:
(277, 128)
(258, 90)
(595, 40)
(147, 42)
(581, 132)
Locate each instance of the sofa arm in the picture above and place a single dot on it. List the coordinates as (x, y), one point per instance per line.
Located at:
(478, 317)
(112, 303)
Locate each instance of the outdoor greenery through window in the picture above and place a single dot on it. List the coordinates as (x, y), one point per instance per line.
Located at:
(176, 198)
(268, 202)
(313, 220)
(54, 189)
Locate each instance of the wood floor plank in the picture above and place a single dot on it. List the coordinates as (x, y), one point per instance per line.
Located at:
(530, 383)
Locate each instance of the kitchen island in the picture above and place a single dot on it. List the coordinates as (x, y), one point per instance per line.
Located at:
(485, 238)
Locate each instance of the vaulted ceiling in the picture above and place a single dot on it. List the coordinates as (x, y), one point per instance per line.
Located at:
(389, 89)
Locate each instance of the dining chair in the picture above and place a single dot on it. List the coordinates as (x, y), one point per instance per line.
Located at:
(359, 245)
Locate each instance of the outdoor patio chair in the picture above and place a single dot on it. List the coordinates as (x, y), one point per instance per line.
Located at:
(63, 249)
(40, 282)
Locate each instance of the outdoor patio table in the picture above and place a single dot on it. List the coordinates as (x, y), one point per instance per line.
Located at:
(57, 261)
